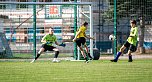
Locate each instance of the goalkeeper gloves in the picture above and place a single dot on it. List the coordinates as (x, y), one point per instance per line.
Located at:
(62, 44)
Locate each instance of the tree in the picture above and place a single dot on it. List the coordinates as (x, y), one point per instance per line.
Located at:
(139, 9)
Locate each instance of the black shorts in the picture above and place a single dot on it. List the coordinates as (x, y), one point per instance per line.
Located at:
(47, 47)
(130, 46)
(80, 41)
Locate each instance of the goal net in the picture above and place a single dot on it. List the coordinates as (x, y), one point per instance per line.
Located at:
(17, 19)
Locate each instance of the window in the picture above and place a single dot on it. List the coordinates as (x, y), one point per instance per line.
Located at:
(30, 30)
(21, 5)
(25, 30)
(41, 29)
(2, 6)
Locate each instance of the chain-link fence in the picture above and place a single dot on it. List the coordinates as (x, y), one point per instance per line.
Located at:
(139, 10)
(16, 22)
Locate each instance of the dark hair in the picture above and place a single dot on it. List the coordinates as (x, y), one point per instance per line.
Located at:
(51, 28)
(133, 22)
(85, 23)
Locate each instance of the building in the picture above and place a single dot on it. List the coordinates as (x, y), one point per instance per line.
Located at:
(16, 21)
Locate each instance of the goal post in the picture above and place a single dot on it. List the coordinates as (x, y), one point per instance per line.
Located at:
(88, 16)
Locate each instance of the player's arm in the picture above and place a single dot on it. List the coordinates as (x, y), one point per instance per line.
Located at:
(89, 37)
(76, 35)
(57, 43)
(62, 44)
(43, 40)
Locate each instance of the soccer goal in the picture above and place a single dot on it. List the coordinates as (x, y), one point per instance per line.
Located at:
(25, 23)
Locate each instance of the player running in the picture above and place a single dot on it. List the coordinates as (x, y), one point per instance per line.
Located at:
(130, 43)
(47, 41)
(80, 40)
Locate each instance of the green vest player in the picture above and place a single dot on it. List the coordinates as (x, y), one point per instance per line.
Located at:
(131, 42)
(47, 42)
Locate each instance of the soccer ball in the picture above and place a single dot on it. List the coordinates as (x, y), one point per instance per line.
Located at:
(111, 37)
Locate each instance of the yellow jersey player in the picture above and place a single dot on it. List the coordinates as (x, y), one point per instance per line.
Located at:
(80, 39)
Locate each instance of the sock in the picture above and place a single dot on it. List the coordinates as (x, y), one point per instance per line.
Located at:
(130, 57)
(89, 55)
(118, 54)
(37, 56)
(56, 54)
(86, 58)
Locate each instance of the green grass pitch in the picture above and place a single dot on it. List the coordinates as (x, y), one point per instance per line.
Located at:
(68, 71)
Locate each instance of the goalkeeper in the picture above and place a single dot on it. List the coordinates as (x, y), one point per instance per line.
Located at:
(80, 40)
(130, 43)
(47, 41)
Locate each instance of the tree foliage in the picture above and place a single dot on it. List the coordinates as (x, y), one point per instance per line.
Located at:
(129, 8)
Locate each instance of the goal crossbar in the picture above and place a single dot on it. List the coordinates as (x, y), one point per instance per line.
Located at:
(48, 3)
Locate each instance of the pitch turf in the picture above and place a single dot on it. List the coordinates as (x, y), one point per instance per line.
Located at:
(67, 71)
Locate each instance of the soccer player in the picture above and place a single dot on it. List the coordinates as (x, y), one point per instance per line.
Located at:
(130, 43)
(80, 40)
(47, 41)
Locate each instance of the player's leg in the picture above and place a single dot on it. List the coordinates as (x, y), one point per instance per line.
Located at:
(129, 56)
(121, 51)
(42, 49)
(87, 51)
(56, 50)
(131, 49)
(39, 53)
(82, 52)
(83, 42)
(79, 42)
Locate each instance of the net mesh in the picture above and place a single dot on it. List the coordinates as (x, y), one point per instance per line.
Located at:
(17, 25)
